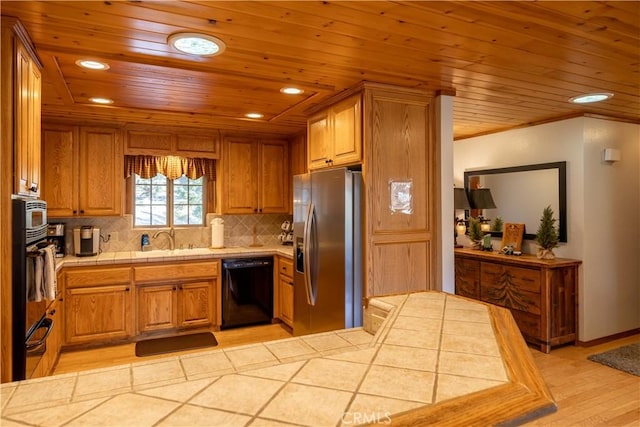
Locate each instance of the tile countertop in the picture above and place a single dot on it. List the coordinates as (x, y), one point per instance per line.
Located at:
(128, 257)
(434, 358)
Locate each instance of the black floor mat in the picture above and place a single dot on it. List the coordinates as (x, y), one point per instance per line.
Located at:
(176, 343)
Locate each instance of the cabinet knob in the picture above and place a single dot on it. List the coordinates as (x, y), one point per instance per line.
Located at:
(52, 312)
(175, 288)
(75, 212)
(81, 211)
(291, 283)
(126, 289)
(260, 210)
(255, 209)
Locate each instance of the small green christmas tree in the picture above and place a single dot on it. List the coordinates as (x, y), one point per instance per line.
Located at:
(497, 224)
(547, 235)
(475, 232)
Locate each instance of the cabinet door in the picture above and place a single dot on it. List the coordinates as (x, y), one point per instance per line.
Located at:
(286, 299)
(34, 120)
(274, 177)
(467, 277)
(148, 142)
(100, 313)
(196, 304)
(100, 172)
(157, 307)
(239, 194)
(60, 183)
(347, 131)
(193, 145)
(25, 127)
(318, 144)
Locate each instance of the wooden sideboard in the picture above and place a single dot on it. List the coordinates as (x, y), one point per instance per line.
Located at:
(541, 294)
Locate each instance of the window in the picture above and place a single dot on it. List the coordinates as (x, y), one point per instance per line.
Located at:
(163, 202)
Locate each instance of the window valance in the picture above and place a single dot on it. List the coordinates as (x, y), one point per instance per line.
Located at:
(172, 167)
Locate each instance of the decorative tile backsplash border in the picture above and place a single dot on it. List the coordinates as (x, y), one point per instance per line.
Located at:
(238, 231)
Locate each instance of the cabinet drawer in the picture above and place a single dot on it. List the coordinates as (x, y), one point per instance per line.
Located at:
(286, 266)
(83, 277)
(526, 279)
(505, 294)
(149, 273)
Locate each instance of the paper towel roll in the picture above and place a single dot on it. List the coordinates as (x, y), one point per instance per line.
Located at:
(217, 233)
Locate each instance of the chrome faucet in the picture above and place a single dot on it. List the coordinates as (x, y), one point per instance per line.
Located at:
(172, 237)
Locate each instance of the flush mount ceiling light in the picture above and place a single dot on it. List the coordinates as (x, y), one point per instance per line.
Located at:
(254, 115)
(98, 100)
(588, 98)
(92, 65)
(291, 90)
(197, 44)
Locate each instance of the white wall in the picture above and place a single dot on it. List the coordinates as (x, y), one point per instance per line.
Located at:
(611, 255)
(600, 197)
(444, 117)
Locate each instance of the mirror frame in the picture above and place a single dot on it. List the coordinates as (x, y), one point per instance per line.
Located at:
(562, 192)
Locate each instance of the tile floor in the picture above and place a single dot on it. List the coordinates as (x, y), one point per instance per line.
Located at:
(430, 348)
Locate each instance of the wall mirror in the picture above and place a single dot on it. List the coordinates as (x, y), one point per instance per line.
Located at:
(522, 192)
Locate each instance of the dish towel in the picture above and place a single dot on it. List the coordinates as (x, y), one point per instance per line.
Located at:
(49, 283)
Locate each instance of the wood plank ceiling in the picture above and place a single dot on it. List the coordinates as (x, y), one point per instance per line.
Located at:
(509, 63)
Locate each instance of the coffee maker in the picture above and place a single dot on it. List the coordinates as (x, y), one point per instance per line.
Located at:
(55, 236)
(86, 240)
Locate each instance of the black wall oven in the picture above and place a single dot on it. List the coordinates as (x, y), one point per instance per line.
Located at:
(30, 325)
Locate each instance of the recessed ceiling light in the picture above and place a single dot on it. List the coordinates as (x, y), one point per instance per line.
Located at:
(197, 44)
(98, 100)
(92, 65)
(291, 90)
(590, 97)
(254, 115)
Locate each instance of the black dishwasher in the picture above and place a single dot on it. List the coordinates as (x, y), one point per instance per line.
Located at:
(247, 291)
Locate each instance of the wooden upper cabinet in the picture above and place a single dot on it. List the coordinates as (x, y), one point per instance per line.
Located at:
(318, 148)
(83, 170)
(28, 86)
(60, 180)
(239, 194)
(172, 141)
(255, 178)
(335, 135)
(274, 177)
(101, 172)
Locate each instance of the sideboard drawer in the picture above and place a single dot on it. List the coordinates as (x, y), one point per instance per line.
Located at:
(526, 279)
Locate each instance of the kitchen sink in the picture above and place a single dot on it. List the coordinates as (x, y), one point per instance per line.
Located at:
(173, 252)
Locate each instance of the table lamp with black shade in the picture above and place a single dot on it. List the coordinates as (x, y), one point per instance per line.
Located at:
(480, 198)
(460, 201)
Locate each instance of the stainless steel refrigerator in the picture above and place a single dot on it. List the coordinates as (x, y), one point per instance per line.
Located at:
(328, 251)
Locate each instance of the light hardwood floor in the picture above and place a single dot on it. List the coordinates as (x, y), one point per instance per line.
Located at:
(102, 357)
(587, 393)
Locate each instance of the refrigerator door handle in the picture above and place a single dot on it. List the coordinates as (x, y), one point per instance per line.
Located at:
(309, 254)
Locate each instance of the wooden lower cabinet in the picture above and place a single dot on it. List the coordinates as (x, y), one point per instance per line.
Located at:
(175, 305)
(100, 313)
(542, 295)
(195, 304)
(176, 295)
(98, 304)
(284, 294)
(157, 307)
